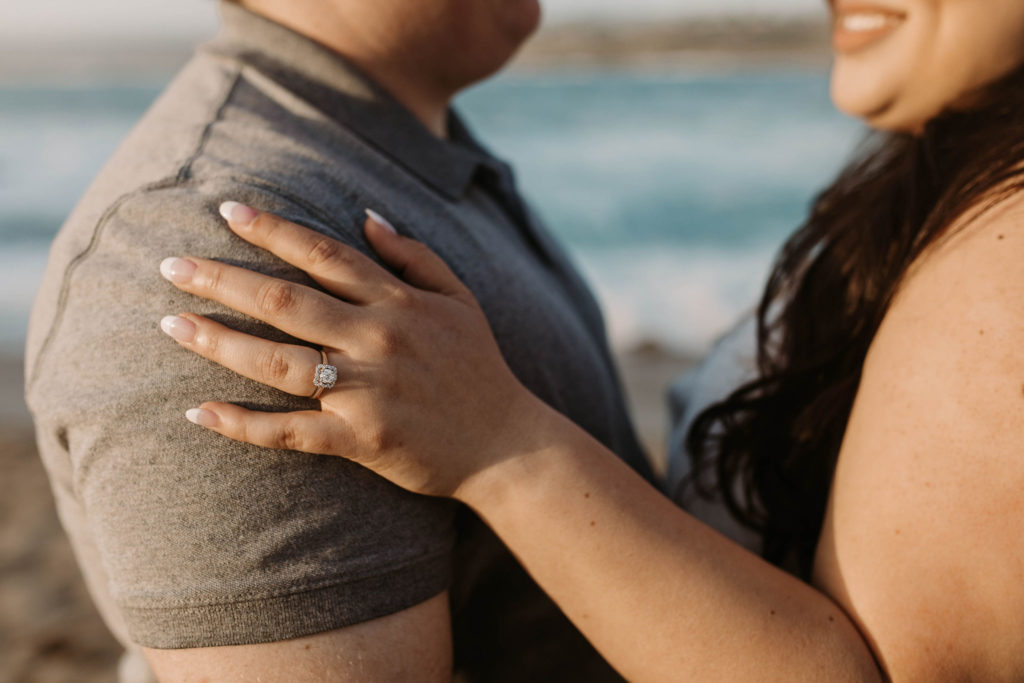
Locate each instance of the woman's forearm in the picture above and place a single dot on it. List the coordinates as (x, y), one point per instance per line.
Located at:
(660, 595)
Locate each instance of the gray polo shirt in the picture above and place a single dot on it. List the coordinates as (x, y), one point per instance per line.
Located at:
(188, 539)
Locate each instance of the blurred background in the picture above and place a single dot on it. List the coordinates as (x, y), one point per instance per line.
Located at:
(671, 144)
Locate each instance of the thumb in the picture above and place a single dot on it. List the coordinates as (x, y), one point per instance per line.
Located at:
(414, 261)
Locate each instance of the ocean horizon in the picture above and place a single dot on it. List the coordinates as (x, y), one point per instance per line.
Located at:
(673, 188)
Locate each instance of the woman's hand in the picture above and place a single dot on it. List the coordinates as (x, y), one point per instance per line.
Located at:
(423, 396)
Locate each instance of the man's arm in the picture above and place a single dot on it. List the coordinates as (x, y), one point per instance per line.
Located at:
(214, 553)
(413, 645)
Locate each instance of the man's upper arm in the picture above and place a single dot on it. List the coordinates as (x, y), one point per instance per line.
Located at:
(207, 542)
(413, 645)
(922, 540)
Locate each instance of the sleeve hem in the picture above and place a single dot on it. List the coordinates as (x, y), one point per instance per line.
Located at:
(265, 620)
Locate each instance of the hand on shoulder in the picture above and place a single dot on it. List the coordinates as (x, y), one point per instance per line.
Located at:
(418, 390)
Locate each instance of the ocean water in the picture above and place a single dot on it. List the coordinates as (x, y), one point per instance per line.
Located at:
(672, 188)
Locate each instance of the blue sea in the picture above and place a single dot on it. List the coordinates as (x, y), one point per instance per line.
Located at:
(673, 188)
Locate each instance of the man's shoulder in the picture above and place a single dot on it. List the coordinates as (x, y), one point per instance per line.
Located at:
(163, 144)
(218, 127)
(215, 134)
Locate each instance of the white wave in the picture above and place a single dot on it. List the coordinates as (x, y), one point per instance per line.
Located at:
(678, 297)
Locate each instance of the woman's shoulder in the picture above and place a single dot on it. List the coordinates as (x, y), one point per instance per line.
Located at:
(926, 496)
(967, 286)
(981, 247)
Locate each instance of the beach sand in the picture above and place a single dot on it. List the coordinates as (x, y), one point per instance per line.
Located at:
(49, 630)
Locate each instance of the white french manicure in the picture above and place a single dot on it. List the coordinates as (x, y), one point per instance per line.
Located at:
(381, 221)
(203, 418)
(239, 214)
(178, 328)
(177, 270)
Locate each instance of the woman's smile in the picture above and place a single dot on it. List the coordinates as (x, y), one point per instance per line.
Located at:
(858, 25)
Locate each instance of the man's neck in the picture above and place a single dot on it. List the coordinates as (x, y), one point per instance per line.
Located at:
(406, 82)
(429, 106)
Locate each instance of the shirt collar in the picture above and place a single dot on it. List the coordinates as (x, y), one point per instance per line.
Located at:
(333, 85)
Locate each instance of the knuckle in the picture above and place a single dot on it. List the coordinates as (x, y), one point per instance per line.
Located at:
(288, 437)
(212, 276)
(275, 297)
(379, 439)
(208, 342)
(236, 429)
(277, 365)
(417, 253)
(402, 296)
(419, 249)
(423, 254)
(263, 225)
(325, 250)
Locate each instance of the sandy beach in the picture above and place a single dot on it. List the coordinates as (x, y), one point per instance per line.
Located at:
(50, 630)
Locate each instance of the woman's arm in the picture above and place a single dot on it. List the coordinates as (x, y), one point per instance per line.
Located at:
(921, 545)
(660, 595)
(921, 542)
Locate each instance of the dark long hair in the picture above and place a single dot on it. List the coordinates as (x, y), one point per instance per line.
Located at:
(769, 450)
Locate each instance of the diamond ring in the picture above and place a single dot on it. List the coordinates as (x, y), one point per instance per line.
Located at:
(324, 377)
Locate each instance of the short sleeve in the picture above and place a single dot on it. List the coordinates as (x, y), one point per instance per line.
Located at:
(205, 541)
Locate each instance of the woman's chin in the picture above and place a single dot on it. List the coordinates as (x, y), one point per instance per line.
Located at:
(888, 117)
(879, 110)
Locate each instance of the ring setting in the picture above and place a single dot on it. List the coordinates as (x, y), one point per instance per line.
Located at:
(325, 376)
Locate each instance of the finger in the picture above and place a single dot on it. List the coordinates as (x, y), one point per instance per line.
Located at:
(300, 311)
(337, 267)
(309, 431)
(415, 262)
(287, 367)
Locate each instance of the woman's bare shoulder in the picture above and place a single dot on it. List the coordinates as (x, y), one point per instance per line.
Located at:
(921, 541)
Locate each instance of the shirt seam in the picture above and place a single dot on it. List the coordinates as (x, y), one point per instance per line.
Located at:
(325, 584)
(183, 173)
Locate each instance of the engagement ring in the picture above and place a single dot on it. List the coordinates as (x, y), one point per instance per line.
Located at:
(325, 376)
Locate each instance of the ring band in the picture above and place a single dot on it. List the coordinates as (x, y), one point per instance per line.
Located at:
(324, 377)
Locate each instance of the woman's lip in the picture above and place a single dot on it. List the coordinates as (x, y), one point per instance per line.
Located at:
(857, 26)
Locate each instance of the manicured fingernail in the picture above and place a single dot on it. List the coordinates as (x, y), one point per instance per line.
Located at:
(178, 270)
(179, 328)
(236, 213)
(203, 418)
(381, 221)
